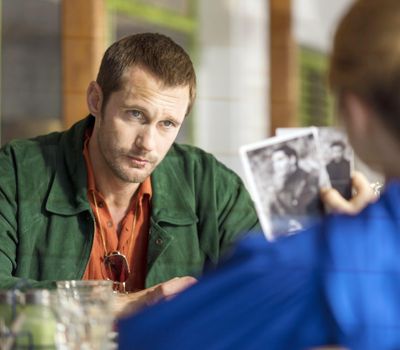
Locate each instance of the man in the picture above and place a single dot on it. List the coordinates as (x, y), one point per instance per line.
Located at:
(114, 197)
(295, 201)
(337, 283)
(339, 169)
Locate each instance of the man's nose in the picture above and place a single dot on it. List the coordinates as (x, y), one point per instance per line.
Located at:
(146, 138)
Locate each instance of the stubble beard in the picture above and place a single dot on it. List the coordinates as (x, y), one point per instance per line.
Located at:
(115, 159)
(124, 174)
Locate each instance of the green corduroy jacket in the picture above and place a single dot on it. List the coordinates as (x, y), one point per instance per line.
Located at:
(199, 207)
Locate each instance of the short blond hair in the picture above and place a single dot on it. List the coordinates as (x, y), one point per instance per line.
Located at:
(366, 57)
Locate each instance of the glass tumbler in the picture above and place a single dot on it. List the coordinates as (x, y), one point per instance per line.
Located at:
(85, 314)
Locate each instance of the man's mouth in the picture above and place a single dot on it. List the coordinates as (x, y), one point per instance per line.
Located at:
(138, 162)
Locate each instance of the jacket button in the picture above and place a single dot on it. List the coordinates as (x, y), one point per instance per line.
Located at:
(159, 241)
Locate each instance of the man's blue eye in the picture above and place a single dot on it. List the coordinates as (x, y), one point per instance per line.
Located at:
(136, 114)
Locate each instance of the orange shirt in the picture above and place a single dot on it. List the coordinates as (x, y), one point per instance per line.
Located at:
(133, 234)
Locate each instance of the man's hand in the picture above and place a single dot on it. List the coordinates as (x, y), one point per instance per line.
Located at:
(127, 304)
(363, 195)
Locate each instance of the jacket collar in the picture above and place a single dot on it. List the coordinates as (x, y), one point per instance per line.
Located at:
(68, 191)
(173, 200)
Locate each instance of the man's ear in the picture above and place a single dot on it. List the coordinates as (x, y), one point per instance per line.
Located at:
(94, 98)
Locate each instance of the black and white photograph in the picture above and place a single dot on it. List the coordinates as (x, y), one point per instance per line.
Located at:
(336, 153)
(284, 175)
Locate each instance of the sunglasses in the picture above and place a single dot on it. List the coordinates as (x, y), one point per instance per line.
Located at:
(118, 271)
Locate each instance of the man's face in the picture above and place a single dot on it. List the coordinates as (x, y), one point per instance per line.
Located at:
(281, 163)
(139, 124)
(337, 153)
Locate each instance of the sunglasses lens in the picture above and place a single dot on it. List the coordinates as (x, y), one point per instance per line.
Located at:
(117, 267)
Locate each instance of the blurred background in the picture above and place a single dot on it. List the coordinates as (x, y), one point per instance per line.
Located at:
(260, 64)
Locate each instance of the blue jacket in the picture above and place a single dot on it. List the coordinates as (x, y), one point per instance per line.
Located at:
(337, 283)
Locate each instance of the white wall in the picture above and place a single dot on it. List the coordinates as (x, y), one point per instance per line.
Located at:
(232, 70)
(314, 21)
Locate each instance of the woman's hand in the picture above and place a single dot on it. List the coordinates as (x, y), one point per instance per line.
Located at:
(363, 194)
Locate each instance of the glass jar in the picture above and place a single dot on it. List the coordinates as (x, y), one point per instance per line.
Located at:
(39, 323)
(7, 305)
(10, 305)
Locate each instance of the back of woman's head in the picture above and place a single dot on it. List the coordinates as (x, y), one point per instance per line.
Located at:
(366, 57)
